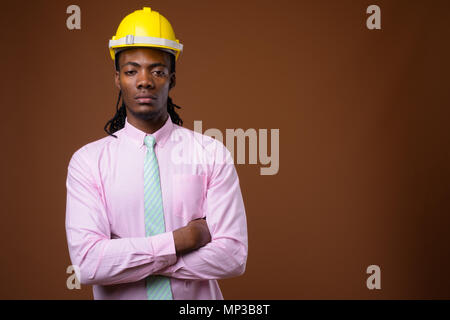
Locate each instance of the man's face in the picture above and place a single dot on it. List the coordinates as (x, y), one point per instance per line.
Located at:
(145, 81)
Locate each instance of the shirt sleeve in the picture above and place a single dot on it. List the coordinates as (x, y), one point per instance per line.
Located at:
(226, 255)
(100, 259)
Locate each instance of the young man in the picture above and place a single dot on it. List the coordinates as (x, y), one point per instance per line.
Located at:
(154, 210)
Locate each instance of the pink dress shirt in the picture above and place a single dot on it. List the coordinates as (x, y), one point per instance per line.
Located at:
(105, 214)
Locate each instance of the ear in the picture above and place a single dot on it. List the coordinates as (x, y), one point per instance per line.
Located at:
(173, 80)
(117, 79)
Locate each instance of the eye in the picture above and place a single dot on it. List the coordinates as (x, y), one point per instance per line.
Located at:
(130, 73)
(159, 73)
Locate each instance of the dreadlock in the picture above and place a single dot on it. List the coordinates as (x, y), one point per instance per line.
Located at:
(118, 121)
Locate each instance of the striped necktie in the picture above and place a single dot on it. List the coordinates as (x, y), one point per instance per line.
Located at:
(158, 287)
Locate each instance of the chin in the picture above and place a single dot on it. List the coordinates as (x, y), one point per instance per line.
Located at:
(145, 112)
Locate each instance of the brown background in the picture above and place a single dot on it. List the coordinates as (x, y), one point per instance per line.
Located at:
(364, 141)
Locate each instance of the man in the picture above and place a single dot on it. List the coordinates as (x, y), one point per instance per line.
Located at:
(154, 210)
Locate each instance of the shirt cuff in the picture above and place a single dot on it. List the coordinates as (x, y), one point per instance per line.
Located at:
(164, 247)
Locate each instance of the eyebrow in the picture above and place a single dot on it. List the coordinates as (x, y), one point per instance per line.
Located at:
(137, 65)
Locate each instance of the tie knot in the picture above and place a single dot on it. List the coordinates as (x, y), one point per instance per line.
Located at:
(149, 141)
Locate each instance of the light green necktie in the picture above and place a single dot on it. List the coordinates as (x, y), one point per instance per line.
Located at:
(158, 287)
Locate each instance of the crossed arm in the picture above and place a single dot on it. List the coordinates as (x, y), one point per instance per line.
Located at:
(211, 248)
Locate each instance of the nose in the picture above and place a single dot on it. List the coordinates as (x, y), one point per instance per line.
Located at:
(145, 81)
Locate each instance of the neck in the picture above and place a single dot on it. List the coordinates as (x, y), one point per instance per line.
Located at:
(148, 125)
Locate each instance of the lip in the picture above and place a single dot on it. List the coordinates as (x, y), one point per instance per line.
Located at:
(145, 98)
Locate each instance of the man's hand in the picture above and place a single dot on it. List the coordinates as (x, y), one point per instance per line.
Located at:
(191, 237)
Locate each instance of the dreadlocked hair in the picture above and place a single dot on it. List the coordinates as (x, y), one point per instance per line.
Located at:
(118, 121)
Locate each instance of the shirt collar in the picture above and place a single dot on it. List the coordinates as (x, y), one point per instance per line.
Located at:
(161, 135)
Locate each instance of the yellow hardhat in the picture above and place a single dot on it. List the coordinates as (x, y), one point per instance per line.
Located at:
(145, 28)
